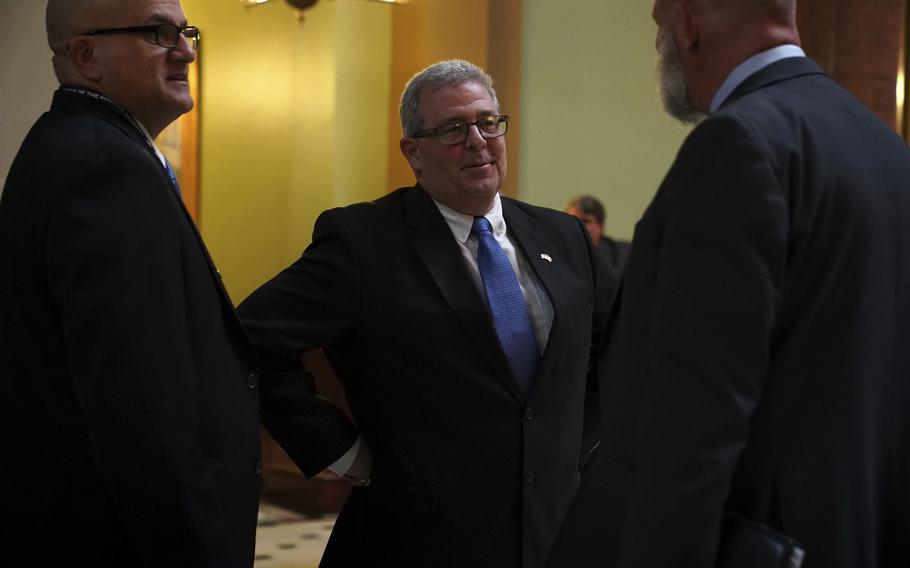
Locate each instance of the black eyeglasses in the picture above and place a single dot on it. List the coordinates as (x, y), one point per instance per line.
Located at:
(166, 35)
(492, 126)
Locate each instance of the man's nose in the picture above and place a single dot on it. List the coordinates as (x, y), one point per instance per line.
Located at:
(184, 50)
(474, 138)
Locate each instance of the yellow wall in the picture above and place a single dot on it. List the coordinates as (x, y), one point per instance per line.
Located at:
(424, 32)
(293, 121)
(485, 32)
(591, 118)
(364, 54)
(299, 116)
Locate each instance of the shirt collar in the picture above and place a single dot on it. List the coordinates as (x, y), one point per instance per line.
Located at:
(461, 224)
(151, 142)
(751, 66)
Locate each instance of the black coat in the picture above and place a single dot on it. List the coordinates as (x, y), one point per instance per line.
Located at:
(466, 471)
(130, 428)
(759, 357)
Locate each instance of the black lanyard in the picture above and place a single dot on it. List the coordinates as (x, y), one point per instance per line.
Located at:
(132, 120)
(105, 99)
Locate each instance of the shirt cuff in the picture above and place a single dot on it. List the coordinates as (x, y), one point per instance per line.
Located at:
(341, 466)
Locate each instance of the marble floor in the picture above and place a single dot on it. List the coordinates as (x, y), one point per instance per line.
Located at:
(285, 539)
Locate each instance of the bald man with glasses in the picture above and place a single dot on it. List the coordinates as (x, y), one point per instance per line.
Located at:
(461, 324)
(131, 420)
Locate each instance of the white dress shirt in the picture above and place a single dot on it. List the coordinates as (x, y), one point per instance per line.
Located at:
(540, 309)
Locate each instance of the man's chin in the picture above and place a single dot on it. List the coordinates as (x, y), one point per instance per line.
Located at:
(178, 95)
(483, 188)
(176, 109)
(183, 105)
(683, 111)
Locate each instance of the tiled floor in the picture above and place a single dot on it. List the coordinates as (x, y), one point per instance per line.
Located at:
(284, 539)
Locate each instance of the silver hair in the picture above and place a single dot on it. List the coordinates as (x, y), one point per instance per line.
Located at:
(439, 75)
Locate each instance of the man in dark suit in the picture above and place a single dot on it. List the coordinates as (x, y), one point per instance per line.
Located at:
(758, 358)
(464, 351)
(592, 213)
(130, 420)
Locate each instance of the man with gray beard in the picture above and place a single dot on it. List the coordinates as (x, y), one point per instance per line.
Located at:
(757, 361)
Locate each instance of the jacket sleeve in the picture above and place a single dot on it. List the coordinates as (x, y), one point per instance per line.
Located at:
(304, 307)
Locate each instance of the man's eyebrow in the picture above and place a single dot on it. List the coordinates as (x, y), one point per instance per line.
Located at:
(451, 120)
(162, 19)
(480, 115)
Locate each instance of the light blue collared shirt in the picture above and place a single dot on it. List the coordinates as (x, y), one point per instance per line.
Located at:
(751, 66)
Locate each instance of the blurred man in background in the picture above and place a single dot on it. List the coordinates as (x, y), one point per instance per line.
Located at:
(592, 213)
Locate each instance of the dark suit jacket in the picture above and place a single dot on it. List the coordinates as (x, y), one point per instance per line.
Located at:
(466, 471)
(759, 355)
(615, 252)
(130, 425)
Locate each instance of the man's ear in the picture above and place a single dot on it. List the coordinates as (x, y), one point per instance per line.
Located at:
(83, 54)
(411, 152)
(686, 28)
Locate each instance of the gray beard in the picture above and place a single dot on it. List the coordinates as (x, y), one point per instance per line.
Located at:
(672, 84)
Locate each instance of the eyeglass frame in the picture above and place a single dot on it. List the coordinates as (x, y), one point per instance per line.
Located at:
(154, 29)
(502, 118)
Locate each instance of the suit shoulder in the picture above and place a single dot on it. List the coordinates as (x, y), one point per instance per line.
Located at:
(364, 211)
(66, 152)
(725, 134)
(543, 215)
(561, 229)
(366, 219)
(84, 128)
(75, 142)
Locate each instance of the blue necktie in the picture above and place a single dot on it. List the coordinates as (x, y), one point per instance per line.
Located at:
(173, 176)
(507, 305)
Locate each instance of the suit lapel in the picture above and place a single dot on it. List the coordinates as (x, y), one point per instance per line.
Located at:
(544, 260)
(437, 249)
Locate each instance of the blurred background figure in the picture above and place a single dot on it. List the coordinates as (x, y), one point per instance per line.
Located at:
(592, 213)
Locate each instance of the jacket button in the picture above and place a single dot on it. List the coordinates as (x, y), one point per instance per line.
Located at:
(252, 381)
(529, 414)
(529, 477)
(257, 467)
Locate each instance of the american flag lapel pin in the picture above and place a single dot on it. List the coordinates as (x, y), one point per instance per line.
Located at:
(546, 257)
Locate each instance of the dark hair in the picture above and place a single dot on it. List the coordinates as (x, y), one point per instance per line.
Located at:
(589, 205)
